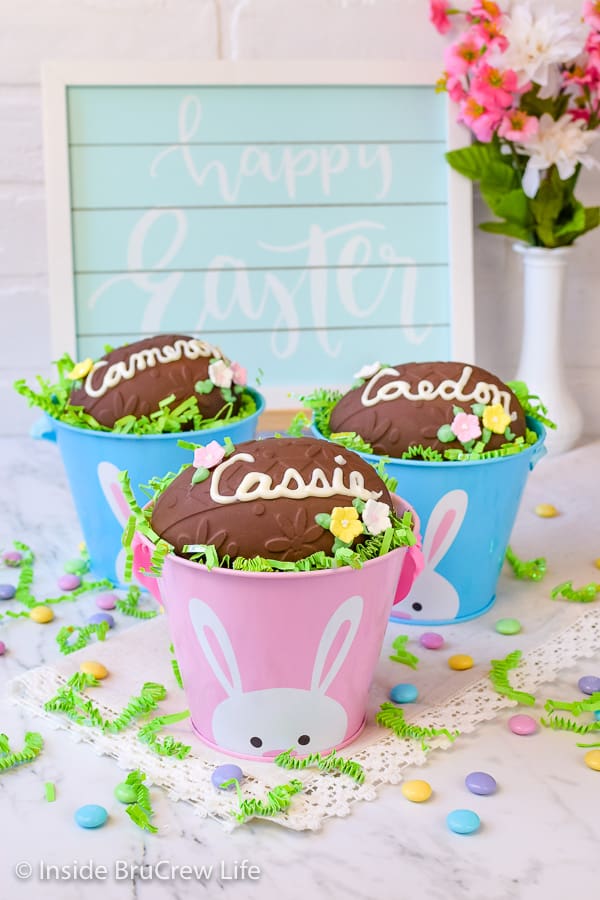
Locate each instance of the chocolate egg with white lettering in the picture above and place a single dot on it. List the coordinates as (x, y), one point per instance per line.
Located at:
(263, 498)
(439, 405)
(134, 379)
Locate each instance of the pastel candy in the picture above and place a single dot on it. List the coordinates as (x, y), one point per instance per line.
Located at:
(106, 601)
(522, 724)
(41, 614)
(404, 693)
(125, 793)
(481, 783)
(463, 821)
(592, 760)
(101, 617)
(416, 791)
(589, 684)
(91, 667)
(508, 626)
(225, 773)
(7, 591)
(76, 566)
(12, 557)
(91, 816)
(460, 661)
(69, 582)
(431, 640)
(546, 511)
(2, 648)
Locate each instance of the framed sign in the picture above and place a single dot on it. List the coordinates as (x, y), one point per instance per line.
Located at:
(299, 215)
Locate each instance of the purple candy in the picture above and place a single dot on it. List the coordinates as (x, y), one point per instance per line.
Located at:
(481, 783)
(7, 591)
(226, 773)
(101, 617)
(522, 724)
(2, 648)
(69, 582)
(12, 557)
(589, 684)
(431, 640)
(106, 601)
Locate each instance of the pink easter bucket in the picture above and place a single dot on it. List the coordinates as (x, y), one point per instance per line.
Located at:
(273, 661)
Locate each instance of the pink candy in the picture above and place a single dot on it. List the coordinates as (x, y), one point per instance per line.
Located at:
(69, 582)
(2, 648)
(522, 724)
(431, 640)
(106, 601)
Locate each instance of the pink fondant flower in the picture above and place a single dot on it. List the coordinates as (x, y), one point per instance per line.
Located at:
(209, 456)
(518, 126)
(466, 427)
(220, 374)
(376, 516)
(438, 15)
(240, 374)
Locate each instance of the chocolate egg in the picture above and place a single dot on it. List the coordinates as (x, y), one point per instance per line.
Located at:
(134, 379)
(262, 499)
(406, 405)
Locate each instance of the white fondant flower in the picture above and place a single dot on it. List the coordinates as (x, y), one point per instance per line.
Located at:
(563, 143)
(368, 371)
(220, 374)
(208, 456)
(376, 516)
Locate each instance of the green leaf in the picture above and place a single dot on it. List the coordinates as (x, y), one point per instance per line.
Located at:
(575, 225)
(445, 434)
(474, 162)
(592, 218)
(535, 106)
(512, 206)
(499, 177)
(204, 387)
(510, 229)
(477, 409)
(324, 520)
(201, 474)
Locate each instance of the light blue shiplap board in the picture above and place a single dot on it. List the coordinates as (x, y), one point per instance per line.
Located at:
(114, 240)
(266, 174)
(293, 298)
(318, 359)
(329, 202)
(248, 114)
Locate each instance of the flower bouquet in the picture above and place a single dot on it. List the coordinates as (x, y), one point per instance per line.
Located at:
(526, 79)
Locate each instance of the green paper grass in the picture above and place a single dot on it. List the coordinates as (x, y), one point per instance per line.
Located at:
(169, 746)
(590, 704)
(50, 792)
(418, 451)
(23, 590)
(130, 605)
(391, 716)
(82, 635)
(559, 723)
(277, 800)
(531, 404)
(527, 570)
(9, 759)
(86, 587)
(499, 679)
(140, 811)
(402, 655)
(329, 763)
(175, 667)
(582, 595)
(71, 702)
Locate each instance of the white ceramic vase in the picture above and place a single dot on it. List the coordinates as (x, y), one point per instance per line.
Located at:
(541, 365)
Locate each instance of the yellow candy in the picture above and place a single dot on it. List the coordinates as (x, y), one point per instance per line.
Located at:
(461, 661)
(41, 614)
(90, 667)
(597, 563)
(592, 759)
(546, 511)
(416, 791)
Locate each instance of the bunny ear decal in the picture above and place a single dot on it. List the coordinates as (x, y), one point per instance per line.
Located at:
(108, 476)
(350, 611)
(443, 526)
(203, 620)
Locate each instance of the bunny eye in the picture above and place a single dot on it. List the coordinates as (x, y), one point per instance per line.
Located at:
(256, 742)
(417, 607)
(304, 739)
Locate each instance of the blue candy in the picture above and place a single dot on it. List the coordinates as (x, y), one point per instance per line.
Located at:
(91, 816)
(404, 693)
(463, 821)
(589, 684)
(597, 715)
(7, 591)
(101, 617)
(226, 773)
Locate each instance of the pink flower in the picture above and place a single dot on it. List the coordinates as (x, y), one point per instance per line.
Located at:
(455, 88)
(462, 56)
(240, 374)
(220, 374)
(486, 9)
(591, 13)
(518, 126)
(209, 456)
(488, 31)
(466, 427)
(491, 87)
(438, 15)
(482, 121)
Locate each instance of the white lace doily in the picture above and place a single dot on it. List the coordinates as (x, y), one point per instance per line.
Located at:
(555, 637)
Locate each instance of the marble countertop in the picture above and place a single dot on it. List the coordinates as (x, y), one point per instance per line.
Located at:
(540, 834)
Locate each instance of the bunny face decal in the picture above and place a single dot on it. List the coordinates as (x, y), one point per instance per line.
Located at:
(266, 722)
(432, 597)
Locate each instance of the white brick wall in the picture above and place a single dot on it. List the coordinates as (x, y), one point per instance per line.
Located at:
(33, 30)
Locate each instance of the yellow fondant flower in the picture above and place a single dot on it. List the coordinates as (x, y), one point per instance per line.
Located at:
(80, 370)
(496, 419)
(345, 523)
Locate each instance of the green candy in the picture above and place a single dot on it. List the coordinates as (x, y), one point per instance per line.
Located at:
(508, 626)
(76, 566)
(125, 793)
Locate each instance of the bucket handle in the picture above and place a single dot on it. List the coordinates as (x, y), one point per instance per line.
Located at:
(43, 429)
(539, 451)
(141, 560)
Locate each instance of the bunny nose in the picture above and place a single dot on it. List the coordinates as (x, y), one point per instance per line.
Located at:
(272, 753)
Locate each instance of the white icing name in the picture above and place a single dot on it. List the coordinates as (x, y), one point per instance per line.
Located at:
(124, 370)
(259, 485)
(448, 390)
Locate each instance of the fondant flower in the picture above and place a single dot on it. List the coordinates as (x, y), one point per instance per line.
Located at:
(80, 370)
(345, 523)
(209, 456)
(466, 427)
(220, 374)
(376, 516)
(240, 374)
(496, 419)
(368, 371)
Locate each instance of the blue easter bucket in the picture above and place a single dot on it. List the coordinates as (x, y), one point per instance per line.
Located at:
(467, 512)
(93, 459)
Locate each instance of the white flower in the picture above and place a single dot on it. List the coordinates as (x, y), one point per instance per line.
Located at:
(563, 143)
(368, 370)
(220, 374)
(539, 38)
(376, 516)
